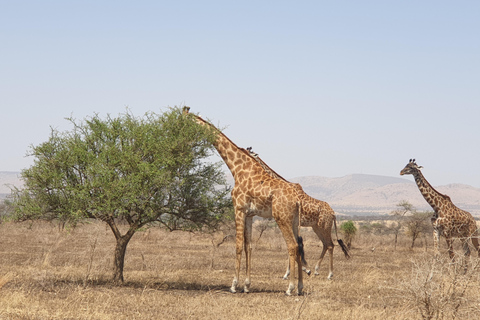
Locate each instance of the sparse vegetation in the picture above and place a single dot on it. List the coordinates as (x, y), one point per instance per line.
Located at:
(46, 273)
(440, 289)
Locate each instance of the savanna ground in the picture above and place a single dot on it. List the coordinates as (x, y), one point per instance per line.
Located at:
(47, 273)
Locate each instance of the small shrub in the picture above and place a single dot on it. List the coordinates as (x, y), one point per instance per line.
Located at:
(349, 230)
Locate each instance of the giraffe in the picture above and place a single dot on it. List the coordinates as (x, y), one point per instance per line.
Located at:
(448, 220)
(316, 214)
(257, 193)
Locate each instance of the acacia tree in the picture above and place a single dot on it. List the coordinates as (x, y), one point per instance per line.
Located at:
(126, 169)
(404, 207)
(418, 223)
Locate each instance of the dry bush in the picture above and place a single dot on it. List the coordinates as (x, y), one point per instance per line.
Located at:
(439, 288)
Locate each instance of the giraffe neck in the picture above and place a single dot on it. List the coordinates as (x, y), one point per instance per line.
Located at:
(434, 198)
(237, 159)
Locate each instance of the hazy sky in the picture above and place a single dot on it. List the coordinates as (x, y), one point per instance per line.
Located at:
(324, 88)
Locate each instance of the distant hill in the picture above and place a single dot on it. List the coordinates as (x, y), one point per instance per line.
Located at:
(362, 194)
(355, 194)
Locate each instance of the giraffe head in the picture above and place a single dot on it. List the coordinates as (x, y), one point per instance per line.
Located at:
(411, 168)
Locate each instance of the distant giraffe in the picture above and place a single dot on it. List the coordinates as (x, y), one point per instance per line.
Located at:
(448, 220)
(257, 193)
(316, 214)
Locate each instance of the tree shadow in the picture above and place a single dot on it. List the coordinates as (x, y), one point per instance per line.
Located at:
(54, 284)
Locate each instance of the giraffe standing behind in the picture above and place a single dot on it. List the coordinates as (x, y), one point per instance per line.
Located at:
(448, 220)
(316, 214)
(257, 193)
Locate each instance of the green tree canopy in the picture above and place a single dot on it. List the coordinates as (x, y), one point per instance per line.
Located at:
(139, 170)
(349, 230)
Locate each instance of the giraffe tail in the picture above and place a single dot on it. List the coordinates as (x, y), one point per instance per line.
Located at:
(301, 252)
(340, 241)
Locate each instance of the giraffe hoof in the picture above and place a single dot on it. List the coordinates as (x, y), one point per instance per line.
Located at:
(232, 290)
(308, 272)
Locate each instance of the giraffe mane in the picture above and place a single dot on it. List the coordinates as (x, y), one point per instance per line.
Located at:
(246, 152)
(267, 167)
(429, 185)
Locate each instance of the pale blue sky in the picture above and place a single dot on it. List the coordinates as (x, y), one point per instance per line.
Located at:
(324, 88)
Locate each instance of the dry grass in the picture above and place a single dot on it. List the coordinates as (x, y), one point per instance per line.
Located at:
(50, 274)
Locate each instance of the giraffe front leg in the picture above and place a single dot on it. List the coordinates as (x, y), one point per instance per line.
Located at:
(300, 275)
(436, 238)
(293, 256)
(475, 243)
(291, 285)
(287, 273)
(239, 238)
(451, 254)
(248, 252)
(466, 251)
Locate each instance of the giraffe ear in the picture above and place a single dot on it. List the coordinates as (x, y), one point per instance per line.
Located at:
(419, 167)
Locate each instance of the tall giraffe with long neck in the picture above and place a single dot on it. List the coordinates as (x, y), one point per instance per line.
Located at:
(448, 220)
(316, 214)
(257, 193)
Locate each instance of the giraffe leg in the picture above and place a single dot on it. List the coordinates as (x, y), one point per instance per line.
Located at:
(327, 245)
(450, 249)
(248, 252)
(475, 243)
(330, 252)
(239, 230)
(296, 228)
(289, 236)
(436, 237)
(466, 248)
(287, 273)
(466, 251)
(317, 266)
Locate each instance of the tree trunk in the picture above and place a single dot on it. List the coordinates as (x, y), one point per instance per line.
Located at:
(396, 237)
(120, 250)
(119, 258)
(414, 237)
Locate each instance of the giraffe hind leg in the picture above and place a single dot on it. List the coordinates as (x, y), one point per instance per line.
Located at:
(317, 266)
(301, 252)
(475, 242)
(304, 262)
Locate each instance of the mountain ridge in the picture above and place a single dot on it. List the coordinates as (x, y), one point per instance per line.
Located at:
(353, 194)
(362, 194)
